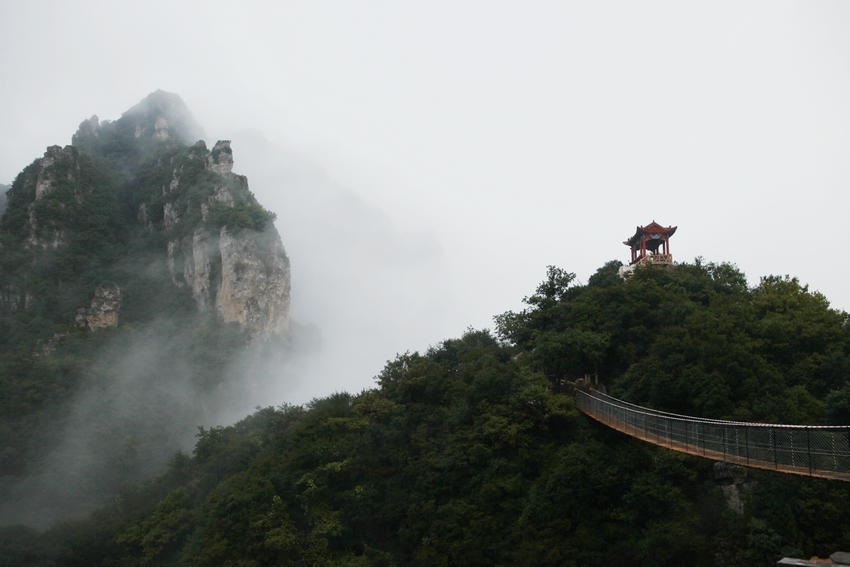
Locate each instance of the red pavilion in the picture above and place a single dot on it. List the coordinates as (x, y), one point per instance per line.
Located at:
(651, 244)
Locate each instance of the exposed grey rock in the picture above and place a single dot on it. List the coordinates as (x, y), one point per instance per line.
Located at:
(104, 310)
(204, 250)
(161, 128)
(46, 182)
(255, 283)
(40, 236)
(221, 158)
(175, 182)
(169, 216)
(48, 347)
(734, 483)
(91, 126)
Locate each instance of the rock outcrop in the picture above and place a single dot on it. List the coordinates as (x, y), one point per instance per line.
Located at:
(44, 348)
(104, 310)
(221, 158)
(254, 287)
(59, 168)
(46, 182)
(734, 483)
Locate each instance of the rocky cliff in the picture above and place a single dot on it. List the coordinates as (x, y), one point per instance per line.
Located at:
(137, 174)
(238, 271)
(104, 309)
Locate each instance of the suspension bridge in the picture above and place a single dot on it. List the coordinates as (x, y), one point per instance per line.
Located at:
(809, 450)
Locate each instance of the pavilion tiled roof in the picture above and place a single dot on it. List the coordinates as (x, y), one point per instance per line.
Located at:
(651, 228)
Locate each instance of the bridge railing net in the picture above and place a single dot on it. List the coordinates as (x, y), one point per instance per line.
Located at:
(822, 451)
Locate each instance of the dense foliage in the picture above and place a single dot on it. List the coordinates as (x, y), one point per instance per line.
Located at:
(473, 453)
(694, 340)
(239, 216)
(3, 189)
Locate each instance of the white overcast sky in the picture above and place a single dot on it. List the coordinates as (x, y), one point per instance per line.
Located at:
(515, 135)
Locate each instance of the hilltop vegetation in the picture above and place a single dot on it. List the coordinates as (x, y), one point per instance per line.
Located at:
(3, 189)
(473, 453)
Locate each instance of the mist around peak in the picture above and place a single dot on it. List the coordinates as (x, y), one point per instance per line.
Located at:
(160, 110)
(159, 117)
(369, 286)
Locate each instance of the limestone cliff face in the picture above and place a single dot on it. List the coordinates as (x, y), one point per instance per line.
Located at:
(42, 204)
(104, 310)
(221, 158)
(57, 176)
(254, 287)
(239, 272)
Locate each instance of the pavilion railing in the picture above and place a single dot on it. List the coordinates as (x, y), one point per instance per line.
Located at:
(656, 259)
(819, 451)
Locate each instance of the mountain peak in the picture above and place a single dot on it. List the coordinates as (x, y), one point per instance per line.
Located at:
(159, 116)
(163, 115)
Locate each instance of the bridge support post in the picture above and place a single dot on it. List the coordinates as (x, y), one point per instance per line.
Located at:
(773, 442)
(809, 448)
(657, 432)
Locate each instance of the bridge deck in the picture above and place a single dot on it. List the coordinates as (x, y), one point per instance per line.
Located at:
(822, 452)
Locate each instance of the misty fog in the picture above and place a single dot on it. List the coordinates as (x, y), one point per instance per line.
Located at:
(370, 287)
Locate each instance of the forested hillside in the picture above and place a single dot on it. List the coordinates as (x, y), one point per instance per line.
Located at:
(473, 453)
